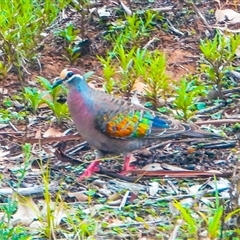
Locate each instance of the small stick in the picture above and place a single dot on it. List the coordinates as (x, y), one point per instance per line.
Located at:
(218, 122)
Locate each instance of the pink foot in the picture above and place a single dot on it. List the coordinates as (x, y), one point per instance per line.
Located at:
(126, 165)
(91, 169)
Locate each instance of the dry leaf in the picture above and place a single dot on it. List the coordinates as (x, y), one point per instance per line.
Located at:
(35, 226)
(152, 167)
(57, 210)
(139, 86)
(92, 85)
(227, 15)
(102, 12)
(27, 211)
(153, 189)
(38, 134)
(3, 125)
(80, 196)
(232, 113)
(172, 168)
(135, 100)
(52, 132)
(3, 153)
(93, 209)
(114, 196)
(194, 189)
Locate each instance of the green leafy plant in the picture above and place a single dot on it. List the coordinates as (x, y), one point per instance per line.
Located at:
(70, 35)
(131, 32)
(155, 77)
(34, 97)
(126, 69)
(6, 115)
(82, 225)
(60, 110)
(7, 231)
(27, 154)
(123, 70)
(186, 214)
(186, 98)
(217, 57)
(213, 219)
(9, 112)
(22, 23)
(53, 92)
(82, 7)
(109, 71)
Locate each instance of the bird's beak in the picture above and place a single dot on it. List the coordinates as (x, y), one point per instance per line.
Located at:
(57, 82)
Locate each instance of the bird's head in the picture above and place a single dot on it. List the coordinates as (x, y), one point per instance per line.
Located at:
(70, 76)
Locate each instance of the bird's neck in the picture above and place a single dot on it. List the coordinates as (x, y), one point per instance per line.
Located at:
(81, 87)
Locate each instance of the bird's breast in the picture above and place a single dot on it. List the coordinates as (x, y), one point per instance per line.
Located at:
(80, 111)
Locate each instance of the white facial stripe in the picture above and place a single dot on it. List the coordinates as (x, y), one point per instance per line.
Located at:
(73, 76)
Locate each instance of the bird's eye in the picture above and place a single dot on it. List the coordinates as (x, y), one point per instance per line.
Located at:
(69, 74)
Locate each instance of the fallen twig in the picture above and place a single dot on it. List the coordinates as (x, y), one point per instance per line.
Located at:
(171, 27)
(36, 190)
(178, 174)
(218, 122)
(154, 39)
(200, 15)
(51, 139)
(182, 196)
(214, 145)
(163, 9)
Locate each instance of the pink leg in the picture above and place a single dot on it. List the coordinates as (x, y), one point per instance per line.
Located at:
(126, 165)
(93, 167)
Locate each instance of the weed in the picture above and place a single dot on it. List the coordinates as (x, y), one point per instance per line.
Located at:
(7, 115)
(187, 93)
(217, 57)
(213, 218)
(34, 97)
(60, 110)
(26, 164)
(133, 31)
(82, 7)
(126, 66)
(155, 77)
(6, 230)
(22, 23)
(53, 92)
(70, 35)
(109, 70)
(124, 69)
(81, 225)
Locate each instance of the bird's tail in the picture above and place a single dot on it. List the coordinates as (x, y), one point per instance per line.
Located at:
(193, 130)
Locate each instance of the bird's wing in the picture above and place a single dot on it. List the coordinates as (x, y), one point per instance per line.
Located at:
(117, 118)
